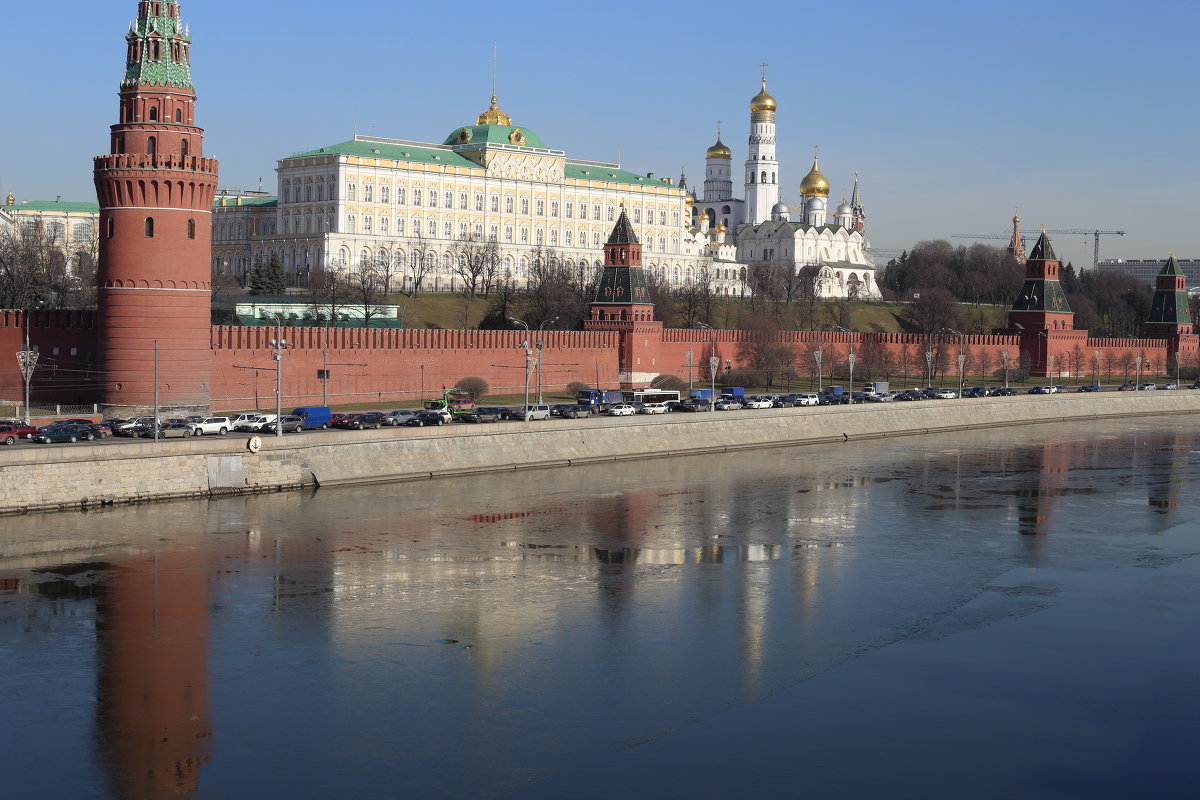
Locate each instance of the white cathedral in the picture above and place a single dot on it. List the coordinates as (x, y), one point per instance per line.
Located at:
(765, 232)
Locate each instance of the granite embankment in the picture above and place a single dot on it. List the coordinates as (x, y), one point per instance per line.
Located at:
(74, 476)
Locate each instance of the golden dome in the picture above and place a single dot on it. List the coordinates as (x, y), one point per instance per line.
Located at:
(718, 150)
(688, 200)
(10, 200)
(493, 116)
(814, 183)
(721, 227)
(763, 101)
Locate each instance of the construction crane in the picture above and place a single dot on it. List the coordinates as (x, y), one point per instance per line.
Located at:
(1026, 236)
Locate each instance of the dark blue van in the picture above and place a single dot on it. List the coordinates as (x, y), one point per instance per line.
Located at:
(314, 416)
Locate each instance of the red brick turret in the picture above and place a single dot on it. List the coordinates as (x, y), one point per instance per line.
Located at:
(156, 193)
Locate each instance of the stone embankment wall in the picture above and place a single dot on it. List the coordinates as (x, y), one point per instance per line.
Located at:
(61, 477)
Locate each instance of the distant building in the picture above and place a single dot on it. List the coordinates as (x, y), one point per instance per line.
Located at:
(70, 225)
(1147, 270)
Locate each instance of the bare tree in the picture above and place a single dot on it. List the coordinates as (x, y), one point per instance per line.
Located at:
(329, 291)
(763, 351)
(420, 262)
(476, 264)
(362, 289)
(553, 290)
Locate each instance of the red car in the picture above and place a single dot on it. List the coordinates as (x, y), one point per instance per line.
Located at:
(18, 428)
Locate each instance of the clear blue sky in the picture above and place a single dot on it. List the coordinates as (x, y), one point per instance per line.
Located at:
(1082, 114)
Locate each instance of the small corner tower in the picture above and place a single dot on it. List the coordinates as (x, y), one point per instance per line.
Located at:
(156, 190)
(622, 303)
(1170, 315)
(762, 169)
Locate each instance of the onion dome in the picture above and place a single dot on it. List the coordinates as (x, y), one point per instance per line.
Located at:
(762, 102)
(780, 211)
(688, 200)
(845, 208)
(718, 150)
(721, 227)
(814, 183)
(11, 200)
(493, 116)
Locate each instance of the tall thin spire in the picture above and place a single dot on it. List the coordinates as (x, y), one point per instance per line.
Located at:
(493, 72)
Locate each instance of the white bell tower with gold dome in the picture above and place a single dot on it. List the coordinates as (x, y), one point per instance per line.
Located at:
(762, 170)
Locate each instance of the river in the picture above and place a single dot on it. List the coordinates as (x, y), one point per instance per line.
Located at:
(1003, 613)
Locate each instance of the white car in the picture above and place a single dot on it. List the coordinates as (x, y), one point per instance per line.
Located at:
(759, 402)
(532, 412)
(728, 404)
(808, 400)
(620, 410)
(252, 422)
(945, 394)
(213, 426)
(653, 408)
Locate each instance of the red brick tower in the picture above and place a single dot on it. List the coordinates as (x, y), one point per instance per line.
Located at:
(622, 303)
(156, 194)
(1041, 314)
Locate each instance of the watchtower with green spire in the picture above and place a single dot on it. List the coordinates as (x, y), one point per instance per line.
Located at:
(622, 303)
(1170, 314)
(1042, 305)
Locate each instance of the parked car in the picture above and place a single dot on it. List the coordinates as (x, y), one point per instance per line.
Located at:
(728, 404)
(213, 426)
(557, 409)
(653, 408)
(100, 430)
(1126, 387)
(694, 405)
(358, 422)
(9, 434)
(677, 405)
(945, 394)
(480, 414)
(23, 431)
(400, 417)
(533, 412)
(579, 412)
(1005, 391)
(1171, 386)
(134, 427)
(507, 413)
(1089, 388)
(759, 402)
(1146, 387)
(291, 423)
(620, 410)
(54, 434)
(337, 420)
(251, 422)
(315, 417)
(175, 430)
(910, 396)
(807, 400)
(424, 418)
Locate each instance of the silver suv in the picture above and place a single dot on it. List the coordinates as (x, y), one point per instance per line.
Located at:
(532, 412)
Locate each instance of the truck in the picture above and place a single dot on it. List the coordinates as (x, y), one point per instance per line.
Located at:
(736, 392)
(597, 400)
(702, 394)
(875, 387)
(452, 403)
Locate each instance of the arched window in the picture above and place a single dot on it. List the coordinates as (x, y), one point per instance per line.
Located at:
(154, 113)
(384, 194)
(764, 177)
(149, 227)
(508, 205)
(183, 148)
(178, 116)
(191, 229)
(152, 145)
(495, 203)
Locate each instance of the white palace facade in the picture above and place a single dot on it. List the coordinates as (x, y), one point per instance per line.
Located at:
(374, 201)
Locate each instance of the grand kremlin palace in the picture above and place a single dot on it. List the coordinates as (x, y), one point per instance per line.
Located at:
(371, 201)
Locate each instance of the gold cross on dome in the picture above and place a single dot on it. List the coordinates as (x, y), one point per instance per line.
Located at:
(764, 66)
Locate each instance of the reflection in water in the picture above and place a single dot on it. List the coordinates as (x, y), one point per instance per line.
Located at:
(504, 623)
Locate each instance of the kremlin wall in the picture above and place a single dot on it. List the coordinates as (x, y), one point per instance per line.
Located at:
(156, 195)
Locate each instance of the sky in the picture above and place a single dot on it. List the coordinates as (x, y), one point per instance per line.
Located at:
(954, 114)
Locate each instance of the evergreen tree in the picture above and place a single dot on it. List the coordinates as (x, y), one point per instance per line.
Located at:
(266, 280)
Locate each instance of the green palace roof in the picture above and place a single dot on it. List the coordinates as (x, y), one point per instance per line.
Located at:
(417, 154)
(61, 206)
(495, 134)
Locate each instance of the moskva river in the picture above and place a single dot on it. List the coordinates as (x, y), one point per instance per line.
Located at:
(1002, 614)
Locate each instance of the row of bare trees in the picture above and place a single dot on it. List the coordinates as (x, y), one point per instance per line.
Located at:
(37, 269)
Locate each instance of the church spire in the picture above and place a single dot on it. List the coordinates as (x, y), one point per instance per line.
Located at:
(1016, 245)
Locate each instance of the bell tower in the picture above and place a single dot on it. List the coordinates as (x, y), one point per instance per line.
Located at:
(156, 190)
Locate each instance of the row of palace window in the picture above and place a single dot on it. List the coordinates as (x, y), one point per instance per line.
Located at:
(294, 192)
(148, 229)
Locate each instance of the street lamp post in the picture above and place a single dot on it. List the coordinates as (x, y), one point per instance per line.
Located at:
(1096, 374)
(1050, 370)
(850, 359)
(962, 358)
(27, 359)
(528, 361)
(277, 346)
(1137, 381)
(690, 355)
(540, 345)
(1004, 358)
(714, 365)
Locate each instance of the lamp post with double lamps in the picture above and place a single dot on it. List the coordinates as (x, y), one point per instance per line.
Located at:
(528, 361)
(27, 359)
(849, 358)
(962, 359)
(1004, 358)
(277, 347)
(714, 365)
(540, 345)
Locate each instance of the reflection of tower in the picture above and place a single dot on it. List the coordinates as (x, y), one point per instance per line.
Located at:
(156, 194)
(1164, 483)
(1050, 468)
(153, 640)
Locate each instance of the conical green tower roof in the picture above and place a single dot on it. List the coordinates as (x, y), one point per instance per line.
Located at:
(1170, 305)
(1171, 269)
(1042, 251)
(153, 59)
